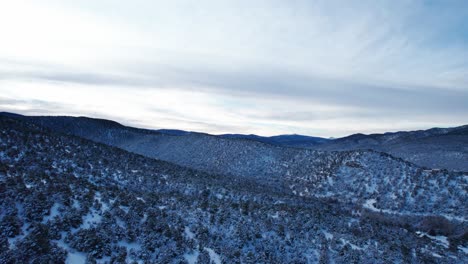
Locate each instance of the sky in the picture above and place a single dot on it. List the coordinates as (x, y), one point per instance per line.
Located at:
(320, 68)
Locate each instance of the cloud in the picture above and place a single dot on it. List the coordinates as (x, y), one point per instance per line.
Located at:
(315, 67)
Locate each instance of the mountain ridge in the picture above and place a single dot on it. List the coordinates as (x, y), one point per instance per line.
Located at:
(444, 148)
(65, 197)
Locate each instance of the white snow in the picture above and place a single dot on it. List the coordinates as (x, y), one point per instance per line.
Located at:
(215, 258)
(124, 208)
(90, 219)
(130, 247)
(189, 234)
(145, 217)
(24, 231)
(275, 216)
(353, 246)
(328, 236)
(463, 249)
(441, 240)
(192, 258)
(457, 218)
(330, 181)
(120, 222)
(371, 188)
(73, 256)
(53, 213)
(104, 206)
(76, 204)
(369, 204)
(133, 245)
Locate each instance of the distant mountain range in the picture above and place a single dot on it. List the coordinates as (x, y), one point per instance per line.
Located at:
(445, 148)
(298, 141)
(438, 148)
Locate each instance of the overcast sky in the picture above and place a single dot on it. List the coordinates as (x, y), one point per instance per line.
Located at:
(322, 68)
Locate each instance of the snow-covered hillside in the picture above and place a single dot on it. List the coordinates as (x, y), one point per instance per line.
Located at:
(68, 199)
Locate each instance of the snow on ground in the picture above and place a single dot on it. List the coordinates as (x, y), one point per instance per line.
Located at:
(441, 240)
(457, 218)
(215, 258)
(73, 256)
(104, 206)
(91, 219)
(76, 204)
(130, 247)
(120, 222)
(145, 217)
(353, 246)
(124, 208)
(133, 245)
(352, 221)
(371, 188)
(188, 233)
(370, 205)
(328, 236)
(275, 216)
(53, 213)
(312, 256)
(12, 240)
(103, 260)
(463, 249)
(192, 258)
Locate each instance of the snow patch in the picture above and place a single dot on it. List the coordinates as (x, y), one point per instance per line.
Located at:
(53, 213)
(353, 246)
(192, 258)
(441, 240)
(91, 219)
(463, 249)
(73, 256)
(189, 234)
(124, 208)
(330, 181)
(275, 216)
(215, 258)
(134, 245)
(328, 236)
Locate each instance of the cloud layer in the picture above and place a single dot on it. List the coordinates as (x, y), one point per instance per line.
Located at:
(315, 67)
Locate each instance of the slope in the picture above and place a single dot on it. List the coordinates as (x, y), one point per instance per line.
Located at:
(63, 198)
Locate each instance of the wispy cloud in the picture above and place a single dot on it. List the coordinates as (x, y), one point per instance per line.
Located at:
(315, 67)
